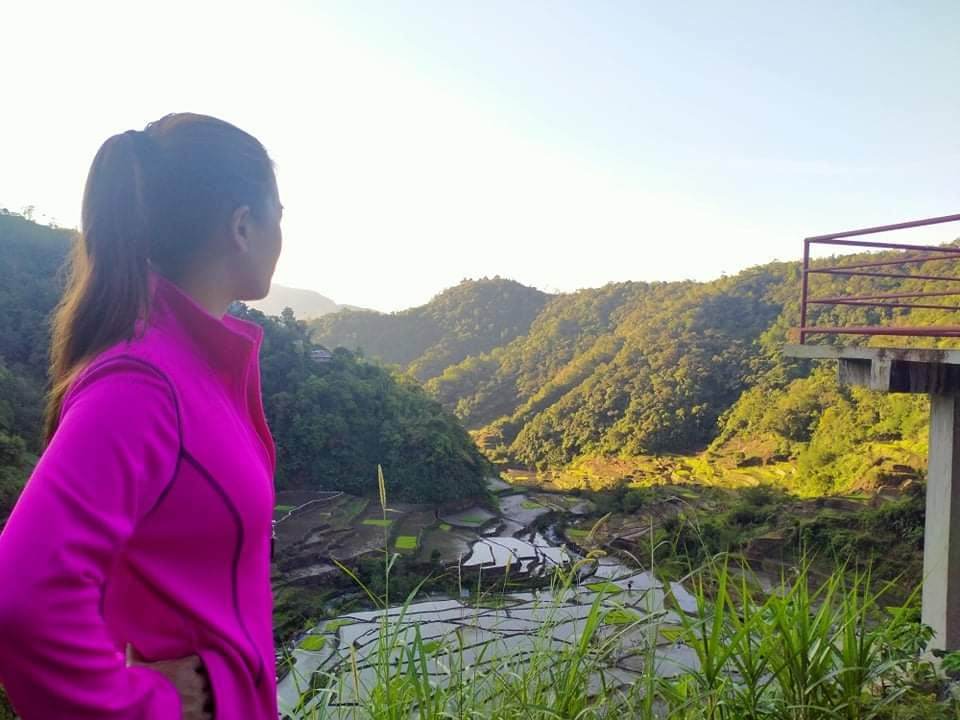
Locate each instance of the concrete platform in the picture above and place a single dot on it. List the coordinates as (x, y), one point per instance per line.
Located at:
(908, 370)
(936, 373)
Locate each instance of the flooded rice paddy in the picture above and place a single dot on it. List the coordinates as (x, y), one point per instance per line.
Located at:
(342, 653)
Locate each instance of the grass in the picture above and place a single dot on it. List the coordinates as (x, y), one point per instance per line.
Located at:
(313, 643)
(576, 533)
(407, 542)
(608, 588)
(283, 508)
(822, 652)
(377, 522)
(808, 650)
(473, 519)
(432, 646)
(621, 616)
(446, 527)
(672, 634)
(530, 505)
(332, 626)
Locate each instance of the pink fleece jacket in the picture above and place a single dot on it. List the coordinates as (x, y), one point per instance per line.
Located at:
(147, 521)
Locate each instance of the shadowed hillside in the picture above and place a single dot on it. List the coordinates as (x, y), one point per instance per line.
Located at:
(334, 420)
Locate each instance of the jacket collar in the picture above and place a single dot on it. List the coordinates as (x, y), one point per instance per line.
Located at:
(229, 345)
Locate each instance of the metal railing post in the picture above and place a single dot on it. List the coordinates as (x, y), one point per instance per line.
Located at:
(803, 290)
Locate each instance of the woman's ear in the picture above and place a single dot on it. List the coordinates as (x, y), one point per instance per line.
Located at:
(240, 230)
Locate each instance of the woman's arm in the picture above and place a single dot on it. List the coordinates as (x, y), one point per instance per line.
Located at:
(109, 462)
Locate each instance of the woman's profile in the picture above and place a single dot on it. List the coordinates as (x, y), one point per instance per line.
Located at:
(135, 568)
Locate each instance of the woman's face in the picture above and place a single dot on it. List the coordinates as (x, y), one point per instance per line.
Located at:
(264, 239)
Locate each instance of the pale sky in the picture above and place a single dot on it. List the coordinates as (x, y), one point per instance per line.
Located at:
(562, 144)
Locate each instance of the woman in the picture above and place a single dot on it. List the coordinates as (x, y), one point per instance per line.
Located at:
(135, 568)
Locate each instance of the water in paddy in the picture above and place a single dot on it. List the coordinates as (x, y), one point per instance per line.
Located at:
(516, 624)
(507, 630)
(532, 554)
(505, 544)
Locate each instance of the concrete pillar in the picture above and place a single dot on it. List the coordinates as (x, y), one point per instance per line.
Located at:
(941, 539)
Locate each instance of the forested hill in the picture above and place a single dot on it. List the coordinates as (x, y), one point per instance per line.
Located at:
(614, 374)
(469, 319)
(334, 420)
(30, 285)
(638, 369)
(306, 304)
(626, 368)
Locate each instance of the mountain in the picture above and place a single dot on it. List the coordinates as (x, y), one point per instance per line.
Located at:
(471, 318)
(681, 380)
(630, 368)
(633, 370)
(335, 419)
(306, 304)
(637, 367)
(30, 285)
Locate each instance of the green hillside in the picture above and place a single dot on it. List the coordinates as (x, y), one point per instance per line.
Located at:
(29, 287)
(633, 370)
(470, 319)
(613, 377)
(333, 421)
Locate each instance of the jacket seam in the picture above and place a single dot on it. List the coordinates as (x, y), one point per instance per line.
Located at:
(118, 359)
(235, 568)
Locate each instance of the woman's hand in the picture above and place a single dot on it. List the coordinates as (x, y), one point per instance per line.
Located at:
(189, 677)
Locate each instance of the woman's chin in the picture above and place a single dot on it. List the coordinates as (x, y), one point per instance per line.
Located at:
(254, 292)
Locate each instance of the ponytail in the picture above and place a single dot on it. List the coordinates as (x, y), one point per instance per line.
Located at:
(152, 199)
(107, 288)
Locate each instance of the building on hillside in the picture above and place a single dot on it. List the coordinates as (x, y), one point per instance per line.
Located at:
(320, 354)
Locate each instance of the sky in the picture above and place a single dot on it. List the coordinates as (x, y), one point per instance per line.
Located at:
(561, 144)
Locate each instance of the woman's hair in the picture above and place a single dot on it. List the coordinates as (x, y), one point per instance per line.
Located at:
(153, 198)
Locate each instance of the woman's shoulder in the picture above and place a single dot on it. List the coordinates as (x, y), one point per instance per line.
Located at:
(122, 394)
(137, 363)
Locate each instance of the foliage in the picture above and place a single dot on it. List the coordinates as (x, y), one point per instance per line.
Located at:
(6, 711)
(312, 643)
(468, 319)
(407, 542)
(765, 524)
(634, 369)
(806, 650)
(378, 522)
(803, 652)
(333, 421)
(29, 288)
(840, 439)
(626, 370)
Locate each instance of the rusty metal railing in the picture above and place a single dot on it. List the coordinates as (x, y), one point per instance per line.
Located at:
(913, 254)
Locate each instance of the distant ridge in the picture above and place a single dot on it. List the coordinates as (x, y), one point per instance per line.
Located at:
(469, 319)
(306, 304)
